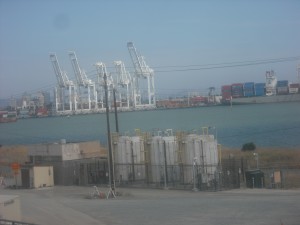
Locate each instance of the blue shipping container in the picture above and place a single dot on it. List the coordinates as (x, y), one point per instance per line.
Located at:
(249, 89)
(259, 89)
(260, 85)
(282, 83)
(260, 93)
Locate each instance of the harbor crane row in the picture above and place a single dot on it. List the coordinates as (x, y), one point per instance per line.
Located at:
(83, 82)
(124, 83)
(142, 71)
(63, 85)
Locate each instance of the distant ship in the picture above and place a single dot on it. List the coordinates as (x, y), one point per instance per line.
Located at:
(7, 116)
(266, 99)
(272, 91)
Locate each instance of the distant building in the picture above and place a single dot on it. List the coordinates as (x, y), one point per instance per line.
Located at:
(73, 163)
(80, 163)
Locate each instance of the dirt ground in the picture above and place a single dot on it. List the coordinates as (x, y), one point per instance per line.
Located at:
(72, 205)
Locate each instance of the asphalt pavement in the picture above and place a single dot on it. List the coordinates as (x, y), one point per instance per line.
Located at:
(73, 205)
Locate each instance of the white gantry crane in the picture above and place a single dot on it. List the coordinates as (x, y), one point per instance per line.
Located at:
(101, 70)
(63, 85)
(84, 82)
(142, 71)
(124, 84)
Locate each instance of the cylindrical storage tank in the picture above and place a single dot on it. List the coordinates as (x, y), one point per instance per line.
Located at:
(201, 150)
(191, 151)
(171, 150)
(138, 158)
(129, 158)
(138, 149)
(171, 158)
(164, 159)
(157, 159)
(210, 157)
(122, 149)
(122, 159)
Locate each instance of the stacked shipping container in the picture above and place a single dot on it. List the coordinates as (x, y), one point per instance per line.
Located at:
(249, 89)
(293, 88)
(259, 89)
(282, 87)
(226, 92)
(237, 90)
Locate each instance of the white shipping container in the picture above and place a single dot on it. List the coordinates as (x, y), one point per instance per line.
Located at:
(293, 90)
(283, 90)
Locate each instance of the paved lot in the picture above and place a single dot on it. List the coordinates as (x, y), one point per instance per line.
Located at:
(70, 205)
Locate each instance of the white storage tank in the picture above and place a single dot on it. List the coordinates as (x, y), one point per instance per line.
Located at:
(157, 159)
(129, 158)
(200, 150)
(164, 158)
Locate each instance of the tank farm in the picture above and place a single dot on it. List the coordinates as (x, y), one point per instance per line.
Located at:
(166, 160)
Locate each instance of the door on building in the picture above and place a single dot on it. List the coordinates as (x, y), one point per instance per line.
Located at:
(25, 178)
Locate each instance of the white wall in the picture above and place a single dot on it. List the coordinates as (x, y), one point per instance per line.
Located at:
(42, 176)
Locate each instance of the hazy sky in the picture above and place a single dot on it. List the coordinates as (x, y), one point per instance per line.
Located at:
(168, 33)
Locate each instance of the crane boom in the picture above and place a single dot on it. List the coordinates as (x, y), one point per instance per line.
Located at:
(142, 70)
(140, 66)
(61, 76)
(65, 92)
(81, 77)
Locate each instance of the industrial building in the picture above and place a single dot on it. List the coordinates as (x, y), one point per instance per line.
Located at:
(66, 163)
(73, 163)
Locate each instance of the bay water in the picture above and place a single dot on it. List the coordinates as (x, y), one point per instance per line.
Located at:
(266, 125)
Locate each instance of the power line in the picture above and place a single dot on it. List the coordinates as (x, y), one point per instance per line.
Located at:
(230, 65)
(216, 65)
(291, 58)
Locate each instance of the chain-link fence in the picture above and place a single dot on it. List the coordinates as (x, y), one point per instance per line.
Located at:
(229, 174)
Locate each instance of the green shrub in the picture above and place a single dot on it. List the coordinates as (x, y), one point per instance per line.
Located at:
(248, 147)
